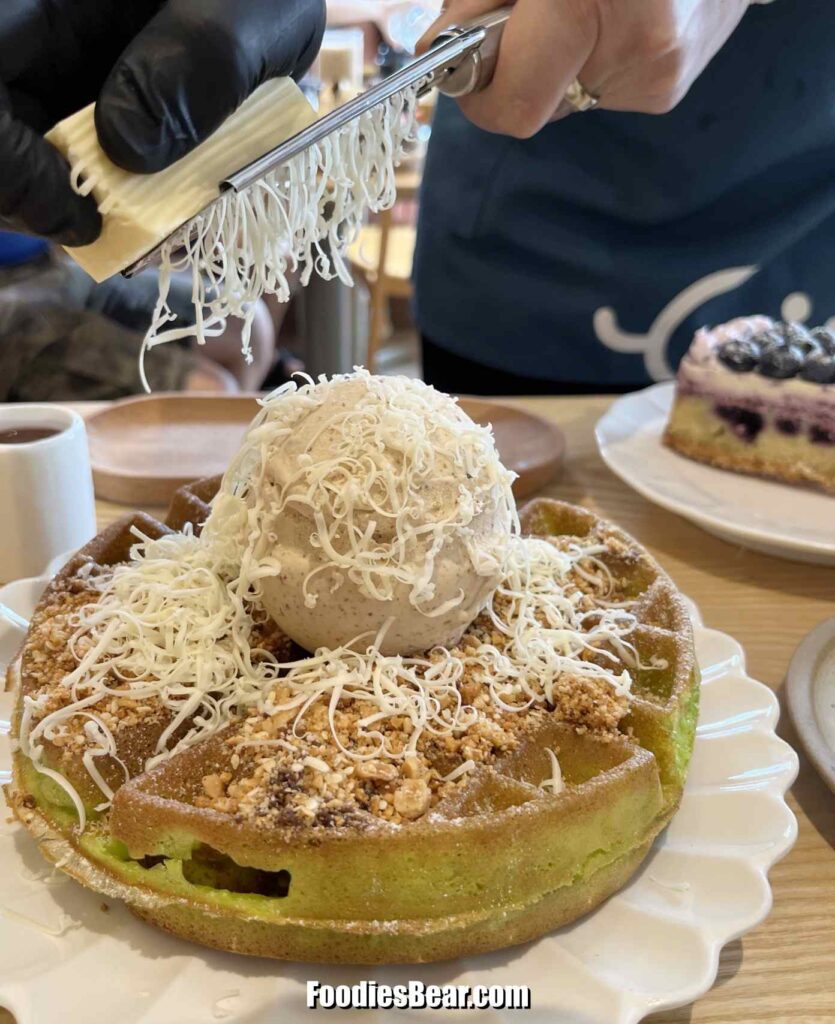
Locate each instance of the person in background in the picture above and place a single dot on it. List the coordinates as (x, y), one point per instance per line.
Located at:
(62, 336)
(567, 249)
(381, 21)
(163, 76)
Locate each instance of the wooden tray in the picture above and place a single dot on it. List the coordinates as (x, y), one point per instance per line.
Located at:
(529, 445)
(142, 449)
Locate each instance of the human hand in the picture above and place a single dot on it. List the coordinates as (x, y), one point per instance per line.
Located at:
(164, 75)
(637, 56)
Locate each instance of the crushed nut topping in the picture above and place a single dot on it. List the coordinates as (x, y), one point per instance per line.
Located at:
(322, 765)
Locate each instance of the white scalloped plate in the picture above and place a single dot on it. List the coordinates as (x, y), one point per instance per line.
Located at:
(765, 515)
(654, 945)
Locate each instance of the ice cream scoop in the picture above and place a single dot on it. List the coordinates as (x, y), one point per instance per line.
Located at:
(389, 516)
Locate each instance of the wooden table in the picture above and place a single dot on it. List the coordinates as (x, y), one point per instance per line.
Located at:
(783, 971)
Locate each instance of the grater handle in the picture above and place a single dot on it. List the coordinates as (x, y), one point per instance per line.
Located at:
(475, 71)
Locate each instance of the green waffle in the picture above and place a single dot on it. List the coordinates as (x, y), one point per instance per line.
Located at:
(500, 862)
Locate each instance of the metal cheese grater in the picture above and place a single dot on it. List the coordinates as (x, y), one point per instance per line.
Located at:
(461, 61)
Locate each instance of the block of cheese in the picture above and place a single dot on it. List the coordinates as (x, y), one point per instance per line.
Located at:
(140, 210)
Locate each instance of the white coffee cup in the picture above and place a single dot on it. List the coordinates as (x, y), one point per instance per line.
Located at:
(47, 505)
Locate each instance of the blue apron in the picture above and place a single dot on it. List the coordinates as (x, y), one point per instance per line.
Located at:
(592, 251)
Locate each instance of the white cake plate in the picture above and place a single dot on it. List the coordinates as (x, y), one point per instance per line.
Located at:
(776, 519)
(67, 955)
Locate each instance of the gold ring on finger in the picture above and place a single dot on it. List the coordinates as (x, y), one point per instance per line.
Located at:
(580, 98)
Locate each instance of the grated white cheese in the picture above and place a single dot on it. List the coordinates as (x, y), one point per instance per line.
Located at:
(301, 217)
(238, 246)
(548, 631)
(181, 661)
(555, 783)
(456, 773)
(13, 619)
(173, 626)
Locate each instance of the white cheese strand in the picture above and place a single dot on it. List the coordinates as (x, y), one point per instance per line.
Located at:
(456, 773)
(555, 783)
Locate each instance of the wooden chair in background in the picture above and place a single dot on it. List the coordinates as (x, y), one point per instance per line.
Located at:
(382, 258)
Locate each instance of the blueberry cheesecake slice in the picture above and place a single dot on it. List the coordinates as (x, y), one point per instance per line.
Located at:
(757, 396)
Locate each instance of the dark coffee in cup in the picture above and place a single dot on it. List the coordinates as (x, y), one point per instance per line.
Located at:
(25, 435)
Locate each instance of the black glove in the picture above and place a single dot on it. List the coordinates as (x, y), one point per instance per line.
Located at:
(164, 76)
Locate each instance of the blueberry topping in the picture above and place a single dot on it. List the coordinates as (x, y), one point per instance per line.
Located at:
(799, 336)
(788, 427)
(770, 338)
(819, 367)
(781, 362)
(739, 355)
(819, 435)
(825, 337)
(743, 422)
